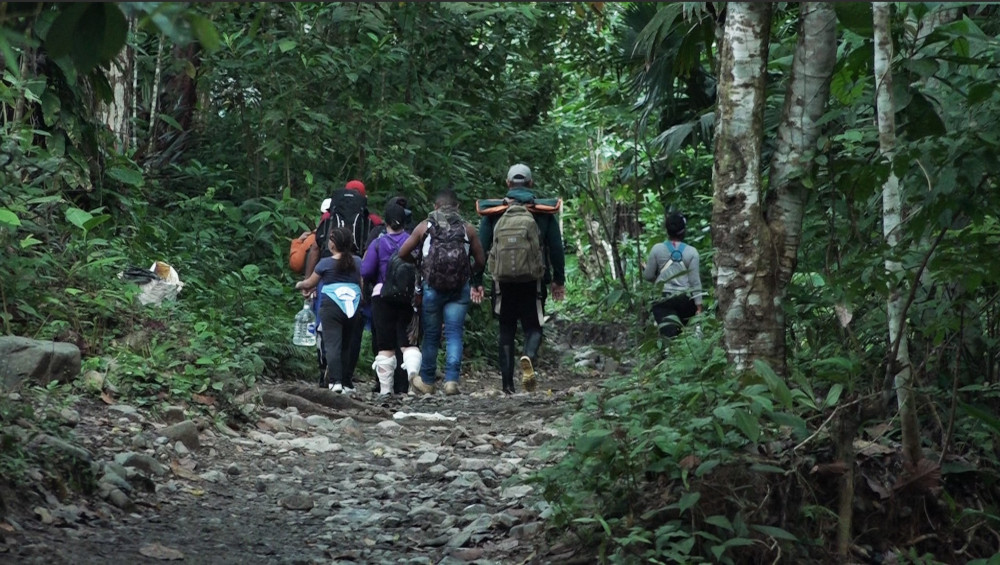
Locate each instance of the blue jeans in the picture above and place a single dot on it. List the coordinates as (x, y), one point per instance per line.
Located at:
(446, 309)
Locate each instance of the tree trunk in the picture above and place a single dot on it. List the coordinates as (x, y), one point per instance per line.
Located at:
(742, 246)
(155, 103)
(792, 163)
(115, 115)
(891, 227)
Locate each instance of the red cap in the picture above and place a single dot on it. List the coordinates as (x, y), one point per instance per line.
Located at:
(356, 186)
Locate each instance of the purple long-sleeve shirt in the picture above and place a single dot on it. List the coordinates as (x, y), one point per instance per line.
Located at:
(377, 256)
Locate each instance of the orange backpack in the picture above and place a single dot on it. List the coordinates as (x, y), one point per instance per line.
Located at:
(298, 252)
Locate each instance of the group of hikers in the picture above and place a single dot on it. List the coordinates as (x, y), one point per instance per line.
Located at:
(411, 284)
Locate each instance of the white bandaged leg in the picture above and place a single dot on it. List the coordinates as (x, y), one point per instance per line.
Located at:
(384, 368)
(411, 361)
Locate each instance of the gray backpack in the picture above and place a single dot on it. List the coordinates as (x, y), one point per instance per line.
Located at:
(675, 267)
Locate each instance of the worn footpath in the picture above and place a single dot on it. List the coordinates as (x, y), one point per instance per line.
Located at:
(316, 478)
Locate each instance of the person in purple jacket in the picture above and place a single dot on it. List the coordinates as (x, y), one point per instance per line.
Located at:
(389, 321)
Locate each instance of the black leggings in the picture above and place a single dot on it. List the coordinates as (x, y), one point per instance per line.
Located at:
(671, 313)
(339, 332)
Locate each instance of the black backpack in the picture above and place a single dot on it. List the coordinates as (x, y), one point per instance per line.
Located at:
(347, 208)
(400, 280)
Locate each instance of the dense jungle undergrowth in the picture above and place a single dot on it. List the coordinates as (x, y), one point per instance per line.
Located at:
(206, 135)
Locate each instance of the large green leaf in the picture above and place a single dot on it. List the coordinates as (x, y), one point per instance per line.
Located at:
(130, 177)
(90, 33)
(9, 218)
(78, 217)
(205, 31)
(775, 383)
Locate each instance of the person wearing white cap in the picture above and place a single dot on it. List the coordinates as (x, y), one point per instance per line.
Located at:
(525, 301)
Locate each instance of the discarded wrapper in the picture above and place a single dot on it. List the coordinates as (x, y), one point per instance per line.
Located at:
(435, 417)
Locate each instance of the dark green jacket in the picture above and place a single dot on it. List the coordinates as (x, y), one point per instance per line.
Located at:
(548, 227)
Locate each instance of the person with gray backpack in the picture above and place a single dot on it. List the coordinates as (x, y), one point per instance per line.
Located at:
(524, 247)
(674, 264)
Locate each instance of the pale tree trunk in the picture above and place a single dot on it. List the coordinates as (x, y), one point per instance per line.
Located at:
(899, 366)
(738, 233)
(805, 101)
(116, 114)
(155, 103)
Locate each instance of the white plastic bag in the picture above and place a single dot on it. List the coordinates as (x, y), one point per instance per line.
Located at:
(166, 288)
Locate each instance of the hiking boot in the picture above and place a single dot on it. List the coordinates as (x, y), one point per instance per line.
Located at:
(337, 387)
(451, 388)
(527, 374)
(419, 386)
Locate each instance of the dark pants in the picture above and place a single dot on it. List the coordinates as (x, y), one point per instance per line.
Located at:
(671, 313)
(524, 303)
(355, 344)
(390, 323)
(339, 333)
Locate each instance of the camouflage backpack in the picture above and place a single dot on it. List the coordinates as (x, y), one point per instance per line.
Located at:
(516, 255)
(445, 264)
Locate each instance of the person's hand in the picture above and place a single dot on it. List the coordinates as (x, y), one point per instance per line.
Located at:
(558, 292)
(476, 294)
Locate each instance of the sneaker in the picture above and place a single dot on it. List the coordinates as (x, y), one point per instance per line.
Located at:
(347, 390)
(419, 386)
(336, 387)
(527, 374)
(451, 388)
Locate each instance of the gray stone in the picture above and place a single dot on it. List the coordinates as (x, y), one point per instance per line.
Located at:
(437, 471)
(121, 500)
(474, 510)
(522, 531)
(426, 460)
(297, 502)
(212, 476)
(69, 416)
(173, 415)
(296, 422)
(517, 491)
(77, 454)
(142, 462)
(504, 519)
(350, 428)
(389, 428)
(186, 431)
(321, 422)
(94, 380)
(40, 362)
(114, 480)
(475, 464)
(505, 468)
(478, 526)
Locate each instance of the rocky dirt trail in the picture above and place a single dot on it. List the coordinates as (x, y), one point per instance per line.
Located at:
(315, 478)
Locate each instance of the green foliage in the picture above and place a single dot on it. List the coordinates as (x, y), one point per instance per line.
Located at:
(635, 473)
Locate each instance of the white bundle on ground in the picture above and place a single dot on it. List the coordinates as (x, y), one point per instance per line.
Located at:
(165, 287)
